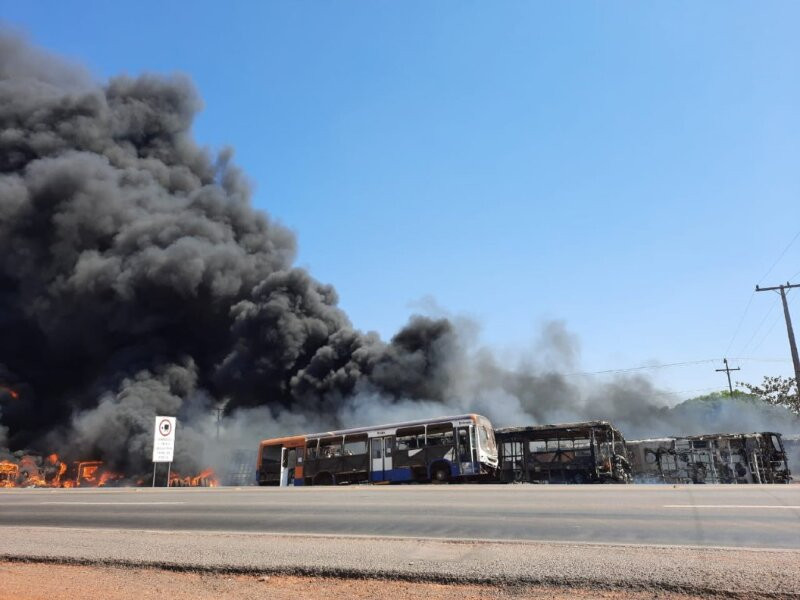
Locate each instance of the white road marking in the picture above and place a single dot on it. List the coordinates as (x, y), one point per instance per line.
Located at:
(112, 503)
(730, 506)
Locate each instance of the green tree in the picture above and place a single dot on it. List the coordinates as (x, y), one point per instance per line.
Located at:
(780, 391)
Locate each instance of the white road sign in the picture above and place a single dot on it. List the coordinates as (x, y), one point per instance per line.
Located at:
(164, 439)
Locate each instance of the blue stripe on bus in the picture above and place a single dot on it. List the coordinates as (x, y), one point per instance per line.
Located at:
(404, 474)
(399, 474)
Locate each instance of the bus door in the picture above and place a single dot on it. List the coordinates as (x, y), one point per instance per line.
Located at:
(381, 453)
(284, 467)
(464, 450)
(288, 464)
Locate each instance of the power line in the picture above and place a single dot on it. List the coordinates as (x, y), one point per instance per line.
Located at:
(782, 254)
(739, 326)
(775, 321)
(789, 330)
(644, 367)
(752, 294)
(678, 393)
(674, 364)
(760, 325)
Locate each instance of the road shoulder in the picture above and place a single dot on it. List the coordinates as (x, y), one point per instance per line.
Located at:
(730, 572)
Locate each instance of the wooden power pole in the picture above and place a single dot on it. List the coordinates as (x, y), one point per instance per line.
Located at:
(219, 410)
(792, 344)
(728, 370)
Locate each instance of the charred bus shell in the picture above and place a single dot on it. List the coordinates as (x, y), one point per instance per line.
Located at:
(589, 452)
(712, 458)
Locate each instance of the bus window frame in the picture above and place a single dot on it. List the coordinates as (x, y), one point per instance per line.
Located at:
(322, 443)
(354, 438)
(416, 432)
(309, 445)
(445, 428)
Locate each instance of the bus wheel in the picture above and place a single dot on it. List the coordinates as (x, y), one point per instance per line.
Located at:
(440, 474)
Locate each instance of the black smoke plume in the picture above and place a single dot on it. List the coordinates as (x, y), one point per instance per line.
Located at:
(136, 279)
(135, 274)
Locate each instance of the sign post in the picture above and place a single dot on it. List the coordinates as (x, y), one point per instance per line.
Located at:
(163, 444)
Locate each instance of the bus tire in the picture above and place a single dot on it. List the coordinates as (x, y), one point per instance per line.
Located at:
(440, 473)
(323, 479)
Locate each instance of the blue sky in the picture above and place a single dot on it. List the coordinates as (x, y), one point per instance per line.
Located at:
(630, 168)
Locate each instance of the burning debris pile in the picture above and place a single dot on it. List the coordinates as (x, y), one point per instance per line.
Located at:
(26, 470)
(205, 478)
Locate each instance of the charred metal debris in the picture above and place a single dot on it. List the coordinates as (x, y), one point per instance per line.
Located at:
(713, 458)
(591, 452)
(596, 452)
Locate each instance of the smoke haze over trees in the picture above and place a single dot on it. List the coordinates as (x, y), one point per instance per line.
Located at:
(136, 279)
(778, 391)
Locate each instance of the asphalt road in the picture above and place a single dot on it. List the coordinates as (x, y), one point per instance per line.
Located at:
(728, 516)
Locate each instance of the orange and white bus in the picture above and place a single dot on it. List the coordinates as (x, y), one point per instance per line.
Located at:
(436, 450)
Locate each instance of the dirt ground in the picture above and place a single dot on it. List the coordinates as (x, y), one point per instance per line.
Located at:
(31, 581)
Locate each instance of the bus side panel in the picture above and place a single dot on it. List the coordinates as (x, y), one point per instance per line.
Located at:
(354, 463)
(407, 459)
(310, 468)
(443, 454)
(438, 453)
(418, 461)
(342, 468)
(398, 474)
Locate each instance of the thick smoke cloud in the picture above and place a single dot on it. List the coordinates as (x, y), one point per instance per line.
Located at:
(136, 279)
(136, 276)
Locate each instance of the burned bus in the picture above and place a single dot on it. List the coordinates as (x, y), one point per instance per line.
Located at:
(712, 458)
(458, 448)
(791, 444)
(589, 452)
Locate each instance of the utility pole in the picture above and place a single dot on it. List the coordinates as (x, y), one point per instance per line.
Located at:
(728, 370)
(782, 289)
(219, 410)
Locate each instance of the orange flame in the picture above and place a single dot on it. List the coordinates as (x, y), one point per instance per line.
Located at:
(205, 478)
(109, 476)
(87, 473)
(9, 472)
(50, 471)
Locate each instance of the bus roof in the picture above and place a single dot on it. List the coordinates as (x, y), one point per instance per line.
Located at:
(558, 427)
(470, 416)
(291, 439)
(709, 436)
